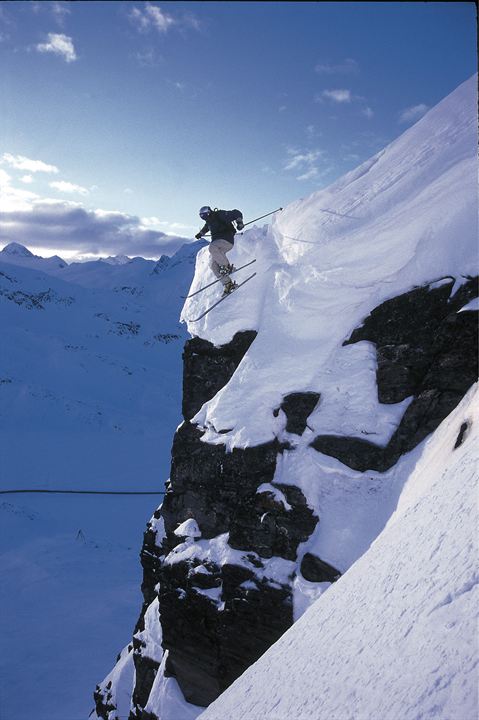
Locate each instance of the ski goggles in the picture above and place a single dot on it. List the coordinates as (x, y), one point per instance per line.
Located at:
(205, 212)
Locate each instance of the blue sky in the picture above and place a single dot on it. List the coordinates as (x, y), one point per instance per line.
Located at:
(120, 119)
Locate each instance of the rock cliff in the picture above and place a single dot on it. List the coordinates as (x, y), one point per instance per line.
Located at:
(220, 556)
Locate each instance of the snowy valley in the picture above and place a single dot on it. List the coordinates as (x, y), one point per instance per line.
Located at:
(90, 387)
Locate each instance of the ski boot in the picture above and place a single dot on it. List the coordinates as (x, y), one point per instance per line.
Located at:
(229, 287)
(226, 269)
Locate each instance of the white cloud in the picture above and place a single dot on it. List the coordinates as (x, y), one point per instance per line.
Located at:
(170, 228)
(346, 67)
(309, 175)
(148, 57)
(161, 20)
(13, 199)
(19, 162)
(68, 187)
(337, 96)
(59, 44)
(413, 113)
(151, 16)
(139, 19)
(302, 159)
(60, 10)
(5, 178)
(305, 163)
(27, 179)
(68, 226)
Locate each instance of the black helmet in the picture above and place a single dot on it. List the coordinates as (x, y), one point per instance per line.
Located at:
(205, 212)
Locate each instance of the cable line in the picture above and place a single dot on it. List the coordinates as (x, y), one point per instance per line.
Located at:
(85, 492)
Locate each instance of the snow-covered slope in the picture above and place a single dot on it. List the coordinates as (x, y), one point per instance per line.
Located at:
(404, 218)
(397, 636)
(95, 360)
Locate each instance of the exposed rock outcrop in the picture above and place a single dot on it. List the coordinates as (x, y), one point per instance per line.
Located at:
(425, 348)
(222, 554)
(298, 407)
(206, 368)
(220, 607)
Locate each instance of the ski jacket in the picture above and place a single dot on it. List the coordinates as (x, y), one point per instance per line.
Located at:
(219, 224)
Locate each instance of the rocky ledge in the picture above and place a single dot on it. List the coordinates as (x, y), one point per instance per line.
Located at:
(426, 349)
(221, 555)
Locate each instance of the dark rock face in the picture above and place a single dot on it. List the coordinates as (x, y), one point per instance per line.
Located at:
(425, 348)
(103, 704)
(212, 485)
(207, 368)
(211, 642)
(298, 407)
(210, 645)
(462, 435)
(316, 570)
(218, 617)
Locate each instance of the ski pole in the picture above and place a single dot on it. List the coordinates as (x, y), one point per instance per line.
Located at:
(262, 216)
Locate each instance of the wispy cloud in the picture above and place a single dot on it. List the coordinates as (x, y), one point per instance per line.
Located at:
(59, 44)
(171, 228)
(345, 67)
(309, 174)
(301, 159)
(27, 179)
(411, 114)
(19, 162)
(13, 199)
(68, 187)
(60, 11)
(6, 24)
(344, 96)
(149, 57)
(57, 9)
(339, 96)
(306, 163)
(151, 16)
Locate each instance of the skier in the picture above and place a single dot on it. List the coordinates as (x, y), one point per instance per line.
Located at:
(220, 224)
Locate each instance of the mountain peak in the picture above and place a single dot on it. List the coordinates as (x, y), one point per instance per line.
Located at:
(14, 248)
(116, 260)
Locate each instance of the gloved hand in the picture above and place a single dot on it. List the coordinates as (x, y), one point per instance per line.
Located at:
(198, 236)
(239, 224)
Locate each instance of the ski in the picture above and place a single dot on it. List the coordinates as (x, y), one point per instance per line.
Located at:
(222, 298)
(205, 287)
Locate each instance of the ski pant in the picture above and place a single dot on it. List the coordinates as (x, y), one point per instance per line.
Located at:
(218, 250)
